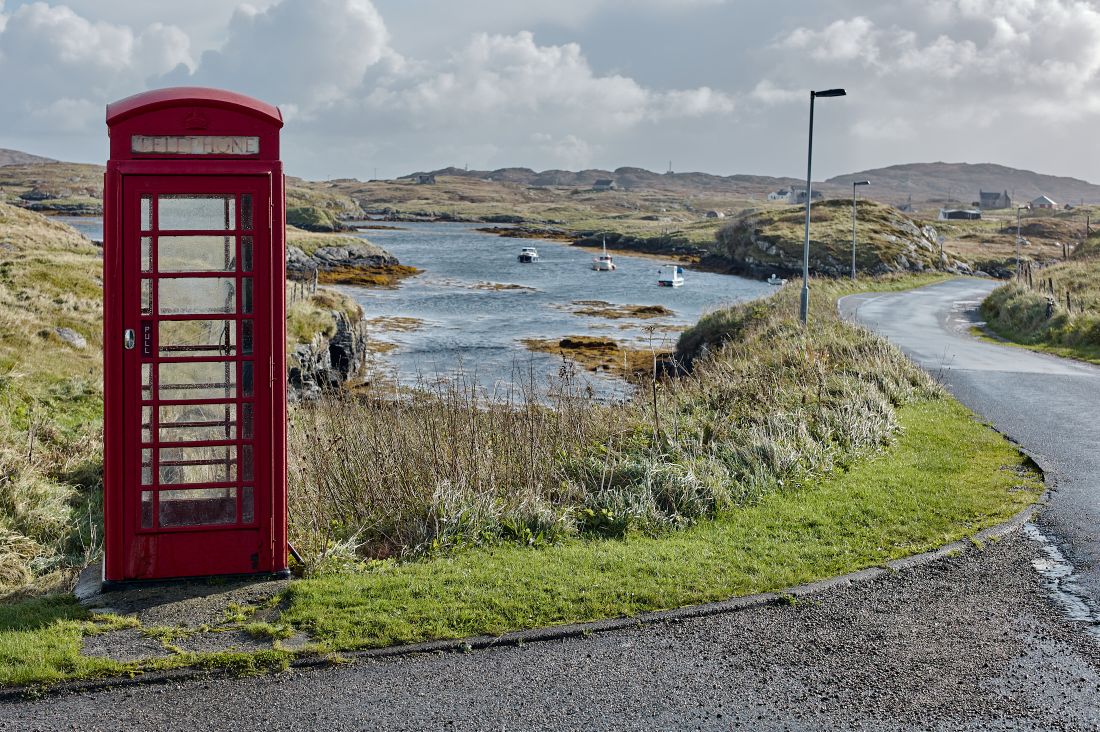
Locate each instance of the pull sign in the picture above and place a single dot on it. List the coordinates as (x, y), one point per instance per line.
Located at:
(146, 339)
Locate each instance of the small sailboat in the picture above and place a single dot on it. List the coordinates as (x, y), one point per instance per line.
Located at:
(777, 281)
(604, 262)
(671, 276)
(527, 255)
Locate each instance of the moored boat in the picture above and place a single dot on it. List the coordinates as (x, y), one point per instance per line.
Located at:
(527, 255)
(777, 281)
(670, 276)
(604, 262)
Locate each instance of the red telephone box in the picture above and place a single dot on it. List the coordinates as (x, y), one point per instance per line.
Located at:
(194, 340)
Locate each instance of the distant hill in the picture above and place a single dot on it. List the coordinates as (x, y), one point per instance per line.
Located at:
(960, 182)
(15, 157)
(925, 182)
(636, 178)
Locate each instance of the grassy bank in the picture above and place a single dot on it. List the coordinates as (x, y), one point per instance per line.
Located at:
(946, 477)
(1041, 318)
(50, 400)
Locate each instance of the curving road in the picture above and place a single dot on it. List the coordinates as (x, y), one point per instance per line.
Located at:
(1051, 406)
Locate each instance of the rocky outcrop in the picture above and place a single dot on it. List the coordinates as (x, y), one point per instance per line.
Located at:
(327, 363)
(661, 245)
(766, 244)
(326, 259)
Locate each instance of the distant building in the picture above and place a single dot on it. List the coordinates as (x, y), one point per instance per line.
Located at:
(792, 195)
(424, 179)
(1044, 202)
(604, 184)
(715, 215)
(989, 200)
(955, 214)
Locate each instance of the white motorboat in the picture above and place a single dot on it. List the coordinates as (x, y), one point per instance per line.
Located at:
(777, 281)
(671, 276)
(527, 255)
(604, 262)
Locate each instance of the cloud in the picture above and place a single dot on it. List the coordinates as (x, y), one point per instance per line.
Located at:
(1038, 58)
(56, 66)
(512, 77)
(305, 53)
(842, 40)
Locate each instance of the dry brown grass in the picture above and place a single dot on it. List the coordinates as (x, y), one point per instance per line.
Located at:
(50, 399)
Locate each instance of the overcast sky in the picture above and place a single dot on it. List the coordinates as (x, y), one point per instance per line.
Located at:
(713, 85)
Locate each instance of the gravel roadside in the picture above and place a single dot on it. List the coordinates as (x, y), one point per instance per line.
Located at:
(966, 642)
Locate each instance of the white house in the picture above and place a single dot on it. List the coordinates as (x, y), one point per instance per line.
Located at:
(1044, 202)
(793, 195)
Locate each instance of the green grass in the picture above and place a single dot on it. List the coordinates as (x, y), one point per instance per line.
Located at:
(945, 478)
(1039, 320)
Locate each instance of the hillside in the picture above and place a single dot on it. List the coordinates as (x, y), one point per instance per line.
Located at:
(771, 242)
(72, 188)
(16, 157)
(961, 182)
(627, 178)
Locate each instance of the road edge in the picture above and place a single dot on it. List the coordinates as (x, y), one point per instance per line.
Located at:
(552, 633)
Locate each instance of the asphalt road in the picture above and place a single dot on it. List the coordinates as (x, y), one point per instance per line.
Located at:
(970, 642)
(1051, 406)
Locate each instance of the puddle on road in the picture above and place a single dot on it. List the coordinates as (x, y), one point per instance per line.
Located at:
(1061, 582)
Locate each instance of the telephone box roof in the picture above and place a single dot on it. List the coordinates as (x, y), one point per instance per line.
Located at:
(184, 96)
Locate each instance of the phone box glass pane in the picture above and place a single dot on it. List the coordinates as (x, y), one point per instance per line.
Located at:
(147, 509)
(197, 295)
(198, 507)
(201, 380)
(197, 337)
(196, 254)
(217, 464)
(196, 213)
(195, 422)
(248, 505)
(147, 467)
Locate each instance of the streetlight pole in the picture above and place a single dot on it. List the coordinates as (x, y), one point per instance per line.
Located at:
(804, 308)
(1018, 210)
(854, 184)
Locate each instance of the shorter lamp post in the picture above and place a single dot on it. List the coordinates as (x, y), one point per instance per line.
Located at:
(854, 184)
(1018, 239)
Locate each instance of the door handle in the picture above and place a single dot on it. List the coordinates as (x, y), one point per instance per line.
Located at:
(128, 340)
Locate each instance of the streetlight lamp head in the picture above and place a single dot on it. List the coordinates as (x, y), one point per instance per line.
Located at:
(861, 183)
(830, 93)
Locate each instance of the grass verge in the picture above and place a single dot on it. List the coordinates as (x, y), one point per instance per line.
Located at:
(946, 477)
(1059, 315)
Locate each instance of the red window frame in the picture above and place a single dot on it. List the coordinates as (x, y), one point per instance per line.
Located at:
(154, 550)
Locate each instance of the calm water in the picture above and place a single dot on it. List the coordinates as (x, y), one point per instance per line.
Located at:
(470, 327)
(89, 226)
